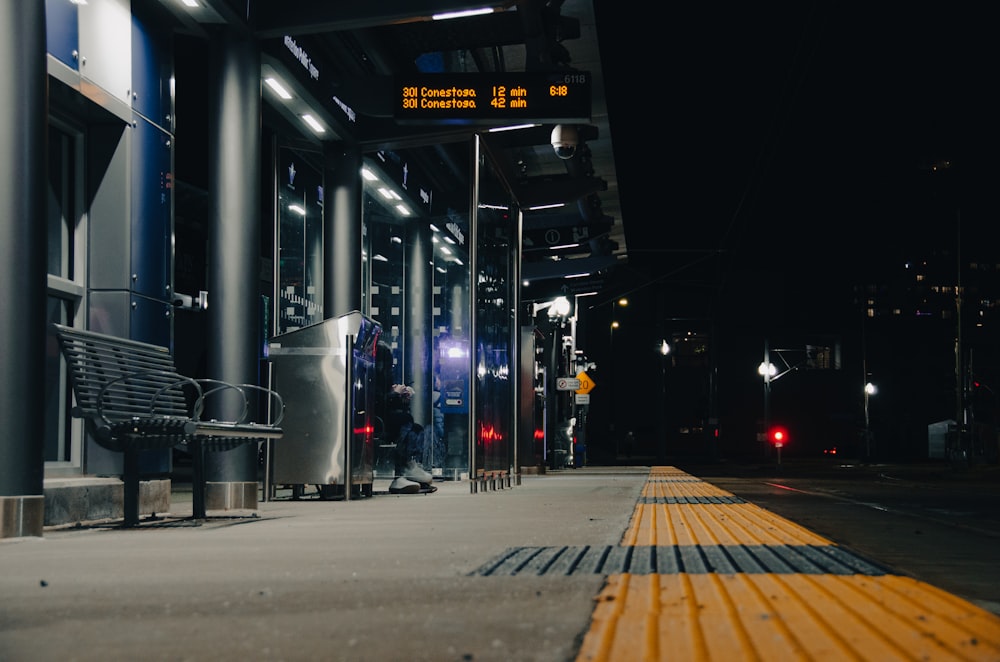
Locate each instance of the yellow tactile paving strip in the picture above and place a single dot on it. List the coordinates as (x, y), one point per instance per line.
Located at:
(766, 615)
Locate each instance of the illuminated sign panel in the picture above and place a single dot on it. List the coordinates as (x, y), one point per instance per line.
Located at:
(493, 97)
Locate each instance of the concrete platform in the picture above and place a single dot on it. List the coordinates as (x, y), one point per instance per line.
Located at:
(616, 563)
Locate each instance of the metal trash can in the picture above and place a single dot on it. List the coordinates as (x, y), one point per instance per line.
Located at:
(325, 373)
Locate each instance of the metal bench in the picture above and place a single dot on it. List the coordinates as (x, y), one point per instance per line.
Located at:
(133, 399)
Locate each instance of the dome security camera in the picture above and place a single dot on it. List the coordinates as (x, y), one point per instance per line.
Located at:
(564, 141)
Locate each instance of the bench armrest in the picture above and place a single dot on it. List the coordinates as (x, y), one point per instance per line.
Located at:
(202, 389)
(273, 396)
(212, 386)
(179, 380)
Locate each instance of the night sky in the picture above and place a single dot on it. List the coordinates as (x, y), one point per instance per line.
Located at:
(794, 135)
(769, 159)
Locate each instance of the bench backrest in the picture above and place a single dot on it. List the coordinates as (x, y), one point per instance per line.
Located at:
(98, 365)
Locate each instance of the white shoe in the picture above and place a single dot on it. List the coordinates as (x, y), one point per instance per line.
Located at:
(404, 485)
(415, 471)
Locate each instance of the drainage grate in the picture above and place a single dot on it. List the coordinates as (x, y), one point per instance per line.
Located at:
(690, 559)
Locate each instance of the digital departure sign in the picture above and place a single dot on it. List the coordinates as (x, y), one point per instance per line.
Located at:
(493, 97)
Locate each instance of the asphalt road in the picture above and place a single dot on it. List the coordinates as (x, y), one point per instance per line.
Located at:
(927, 521)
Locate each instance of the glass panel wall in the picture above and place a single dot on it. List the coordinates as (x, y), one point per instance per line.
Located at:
(496, 286)
(416, 286)
(65, 238)
(300, 240)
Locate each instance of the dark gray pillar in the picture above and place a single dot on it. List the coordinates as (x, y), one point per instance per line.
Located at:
(418, 321)
(234, 242)
(342, 230)
(23, 132)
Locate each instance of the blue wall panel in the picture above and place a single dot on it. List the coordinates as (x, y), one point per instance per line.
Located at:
(62, 31)
(151, 211)
(152, 69)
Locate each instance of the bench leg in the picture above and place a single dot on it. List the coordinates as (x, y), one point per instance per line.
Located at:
(130, 486)
(197, 480)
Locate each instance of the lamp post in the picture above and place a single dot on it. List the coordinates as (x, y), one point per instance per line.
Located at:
(556, 311)
(664, 419)
(611, 357)
(614, 410)
(870, 390)
(768, 371)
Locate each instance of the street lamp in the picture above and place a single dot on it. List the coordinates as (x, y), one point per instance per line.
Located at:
(556, 311)
(664, 351)
(616, 303)
(614, 390)
(768, 371)
(870, 390)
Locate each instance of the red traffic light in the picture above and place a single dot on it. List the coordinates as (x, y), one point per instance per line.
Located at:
(778, 436)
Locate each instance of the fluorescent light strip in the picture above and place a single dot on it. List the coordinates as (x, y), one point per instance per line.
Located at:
(462, 14)
(297, 209)
(516, 127)
(369, 175)
(554, 205)
(313, 124)
(278, 88)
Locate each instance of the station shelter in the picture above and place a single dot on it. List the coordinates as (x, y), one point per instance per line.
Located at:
(293, 223)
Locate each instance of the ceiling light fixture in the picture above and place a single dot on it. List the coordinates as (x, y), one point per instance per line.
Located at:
(278, 88)
(444, 16)
(313, 124)
(516, 127)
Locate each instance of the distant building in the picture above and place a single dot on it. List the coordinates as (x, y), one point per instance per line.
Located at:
(931, 341)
